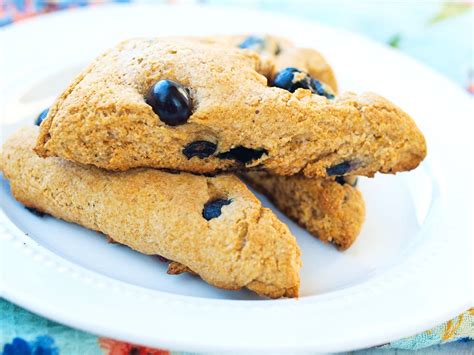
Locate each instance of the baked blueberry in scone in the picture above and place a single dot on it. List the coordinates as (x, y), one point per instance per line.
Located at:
(222, 95)
(41, 117)
(212, 226)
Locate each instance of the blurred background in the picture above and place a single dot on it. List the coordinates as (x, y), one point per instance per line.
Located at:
(438, 33)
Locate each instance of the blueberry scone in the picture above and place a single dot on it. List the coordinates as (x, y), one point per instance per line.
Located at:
(331, 210)
(212, 226)
(201, 107)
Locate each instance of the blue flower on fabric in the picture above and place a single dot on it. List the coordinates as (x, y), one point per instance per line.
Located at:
(42, 345)
(18, 346)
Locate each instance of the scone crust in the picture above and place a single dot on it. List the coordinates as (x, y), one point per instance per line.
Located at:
(284, 54)
(102, 117)
(156, 212)
(330, 211)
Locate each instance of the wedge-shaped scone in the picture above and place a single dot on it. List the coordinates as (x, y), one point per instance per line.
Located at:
(237, 119)
(330, 210)
(212, 225)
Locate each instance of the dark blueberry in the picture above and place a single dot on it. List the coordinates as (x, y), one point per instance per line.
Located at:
(340, 180)
(35, 211)
(242, 154)
(351, 180)
(339, 169)
(254, 43)
(319, 88)
(292, 79)
(212, 209)
(41, 117)
(170, 101)
(200, 149)
(285, 80)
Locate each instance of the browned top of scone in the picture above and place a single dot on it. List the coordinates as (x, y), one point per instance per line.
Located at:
(102, 118)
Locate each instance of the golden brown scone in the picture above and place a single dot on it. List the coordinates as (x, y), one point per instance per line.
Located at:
(332, 211)
(102, 118)
(212, 225)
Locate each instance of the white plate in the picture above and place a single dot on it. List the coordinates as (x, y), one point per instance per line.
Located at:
(409, 270)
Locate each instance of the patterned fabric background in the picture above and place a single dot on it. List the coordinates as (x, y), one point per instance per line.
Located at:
(438, 33)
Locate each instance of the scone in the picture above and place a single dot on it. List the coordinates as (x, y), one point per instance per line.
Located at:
(202, 107)
(212, 225)
(331, 210)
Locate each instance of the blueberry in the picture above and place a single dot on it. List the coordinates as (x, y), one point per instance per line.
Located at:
(318, 88)
(254, 43)
(242, 154)
(339, 169)
(292, 79)
(170, 101)
(285, 80)
(340, 180)
(212, 209)
(200, 149)
(41, 117)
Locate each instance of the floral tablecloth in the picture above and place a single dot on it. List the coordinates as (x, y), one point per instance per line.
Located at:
(438, 33)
